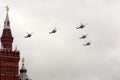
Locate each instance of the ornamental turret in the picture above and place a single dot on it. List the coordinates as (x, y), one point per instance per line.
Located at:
(23, 72)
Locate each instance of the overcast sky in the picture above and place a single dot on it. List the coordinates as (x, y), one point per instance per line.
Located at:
(62, 56)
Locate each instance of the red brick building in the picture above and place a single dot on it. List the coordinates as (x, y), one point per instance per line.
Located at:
(9, 58)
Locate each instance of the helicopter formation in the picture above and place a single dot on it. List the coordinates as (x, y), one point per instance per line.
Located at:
(84, 36)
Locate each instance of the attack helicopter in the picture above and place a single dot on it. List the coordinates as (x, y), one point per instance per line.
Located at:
(87, 44)
(53, 31)
(83, 36)
(28, 35)
(81, 26)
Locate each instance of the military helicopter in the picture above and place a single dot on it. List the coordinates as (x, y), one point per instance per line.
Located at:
(83, 36)
(87, 44)
(28, 35)
(53, 31)
(81, 26)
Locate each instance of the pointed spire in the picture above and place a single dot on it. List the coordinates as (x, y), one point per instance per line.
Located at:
(7, 22)
(7, 38)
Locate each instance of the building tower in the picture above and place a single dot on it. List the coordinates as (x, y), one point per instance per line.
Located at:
(23, 72)
(9, 59)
